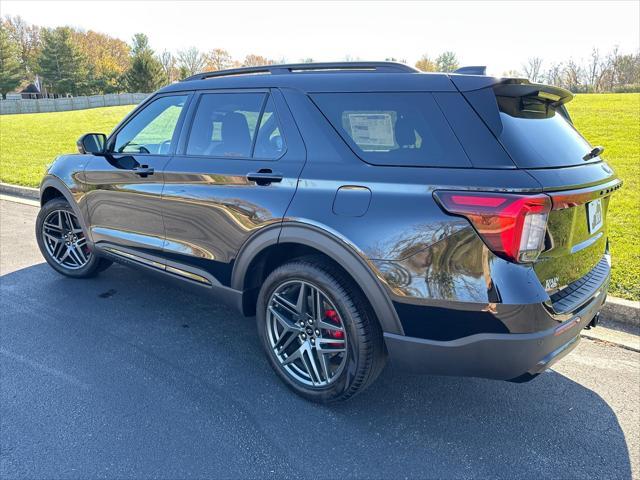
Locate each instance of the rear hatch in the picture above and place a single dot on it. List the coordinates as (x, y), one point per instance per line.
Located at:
(532, 124)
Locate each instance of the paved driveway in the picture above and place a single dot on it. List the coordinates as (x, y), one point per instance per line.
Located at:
(128, 376)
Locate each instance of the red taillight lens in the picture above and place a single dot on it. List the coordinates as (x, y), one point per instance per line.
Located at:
(512, 226)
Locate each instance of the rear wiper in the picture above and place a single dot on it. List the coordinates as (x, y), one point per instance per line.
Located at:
(594, 153)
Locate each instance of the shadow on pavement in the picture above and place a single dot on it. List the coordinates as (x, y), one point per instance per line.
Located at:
(127, 376)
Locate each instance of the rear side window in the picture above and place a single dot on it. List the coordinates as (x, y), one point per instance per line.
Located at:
(538, 136)
(404, 129)
(236, 125)
(225, 124)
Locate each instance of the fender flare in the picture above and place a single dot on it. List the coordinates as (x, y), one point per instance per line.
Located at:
(51, 181)
(335, 248)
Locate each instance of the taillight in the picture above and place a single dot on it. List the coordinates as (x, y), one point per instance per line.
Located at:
(512, 226)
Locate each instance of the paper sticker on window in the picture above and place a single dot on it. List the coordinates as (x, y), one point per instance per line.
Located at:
(372, 130)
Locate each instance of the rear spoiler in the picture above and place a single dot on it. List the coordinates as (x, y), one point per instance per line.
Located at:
(481, 93)
(519, 87)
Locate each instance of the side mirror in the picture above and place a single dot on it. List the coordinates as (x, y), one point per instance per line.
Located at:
(92, 143)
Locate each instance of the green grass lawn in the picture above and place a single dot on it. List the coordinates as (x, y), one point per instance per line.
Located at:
(29, 142)
(613, 121)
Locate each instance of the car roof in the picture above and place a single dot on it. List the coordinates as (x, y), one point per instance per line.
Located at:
(331, 77)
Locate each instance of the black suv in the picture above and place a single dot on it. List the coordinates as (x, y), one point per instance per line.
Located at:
(453, 222)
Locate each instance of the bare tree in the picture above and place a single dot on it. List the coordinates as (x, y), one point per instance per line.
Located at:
(218, 59)
(533, 69)
(572, 76)
(168, 62)
(553, 75)
(190, 61)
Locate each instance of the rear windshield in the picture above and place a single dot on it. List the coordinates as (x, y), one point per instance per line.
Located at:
(405, 129)
(537, 136)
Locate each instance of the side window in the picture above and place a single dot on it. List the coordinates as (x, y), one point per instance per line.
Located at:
(225, 124)
(394, 128)
(269, 142)
(151, 130)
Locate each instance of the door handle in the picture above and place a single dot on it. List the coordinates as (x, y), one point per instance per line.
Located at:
(264, 177)
(143, 170)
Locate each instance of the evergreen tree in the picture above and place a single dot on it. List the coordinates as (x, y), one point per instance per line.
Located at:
(447, 62)
(10, 68)
(61, 63)
(146, 73)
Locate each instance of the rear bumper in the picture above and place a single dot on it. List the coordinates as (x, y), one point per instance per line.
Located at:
(501, 356)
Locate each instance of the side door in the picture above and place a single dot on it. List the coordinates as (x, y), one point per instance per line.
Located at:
(235, 172)
(124, 186)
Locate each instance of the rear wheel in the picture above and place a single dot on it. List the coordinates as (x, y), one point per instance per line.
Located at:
(318, 332)
(63, 243)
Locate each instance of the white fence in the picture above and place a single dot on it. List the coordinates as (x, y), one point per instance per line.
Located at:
(69, 103)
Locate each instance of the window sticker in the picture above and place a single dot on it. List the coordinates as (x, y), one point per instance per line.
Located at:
(373, 130)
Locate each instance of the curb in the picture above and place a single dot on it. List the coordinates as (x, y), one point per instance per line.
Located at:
(20, 191)
(621, 311)
(614, 310)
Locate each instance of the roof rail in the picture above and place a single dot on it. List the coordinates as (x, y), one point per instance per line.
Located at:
(472, 70)
(381, 67)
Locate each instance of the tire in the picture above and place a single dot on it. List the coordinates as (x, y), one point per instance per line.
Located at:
(61, 221)
(364, 352)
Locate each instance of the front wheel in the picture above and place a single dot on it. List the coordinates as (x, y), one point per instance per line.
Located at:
(63, 243)
(318, 332)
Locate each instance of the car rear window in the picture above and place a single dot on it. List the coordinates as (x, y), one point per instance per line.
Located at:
(402, 129)
(536, 135)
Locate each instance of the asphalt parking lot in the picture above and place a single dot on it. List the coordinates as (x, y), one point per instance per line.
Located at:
(127, 376)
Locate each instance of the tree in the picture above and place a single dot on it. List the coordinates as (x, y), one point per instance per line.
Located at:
(252, 60)
(218, 59)
(107, 59)
(553, 76)
(27, 38)
(61, 64)
(168, 62)
(146, 73)
(571, 76)
(511, 74)
(447, 62)
(426, 64)
(190, 61)
(10, 68)
(533, 68)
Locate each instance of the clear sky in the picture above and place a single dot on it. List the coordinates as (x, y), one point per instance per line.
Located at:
(501, 35)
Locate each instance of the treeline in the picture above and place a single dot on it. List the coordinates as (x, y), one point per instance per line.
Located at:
(611, 72)
(69, 61)
(77, 62)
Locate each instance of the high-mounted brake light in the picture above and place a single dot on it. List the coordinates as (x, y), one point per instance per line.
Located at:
(512, 226)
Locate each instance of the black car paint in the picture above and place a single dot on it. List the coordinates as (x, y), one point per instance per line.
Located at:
(202, 220)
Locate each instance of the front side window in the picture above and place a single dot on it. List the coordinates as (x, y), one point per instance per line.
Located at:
(152, 129)
(404, 128)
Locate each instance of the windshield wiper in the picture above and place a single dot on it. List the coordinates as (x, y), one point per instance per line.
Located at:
(594, 153)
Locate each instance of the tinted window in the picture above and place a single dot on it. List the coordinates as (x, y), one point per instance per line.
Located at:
(537, 136)
(393, 128)
(269, 142)
(225, 124)
(151, 130)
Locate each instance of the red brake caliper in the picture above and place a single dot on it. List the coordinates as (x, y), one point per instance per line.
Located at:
(332, 316)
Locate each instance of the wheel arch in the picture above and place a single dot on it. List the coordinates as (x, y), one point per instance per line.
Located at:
(296, 239)
(53, 187)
